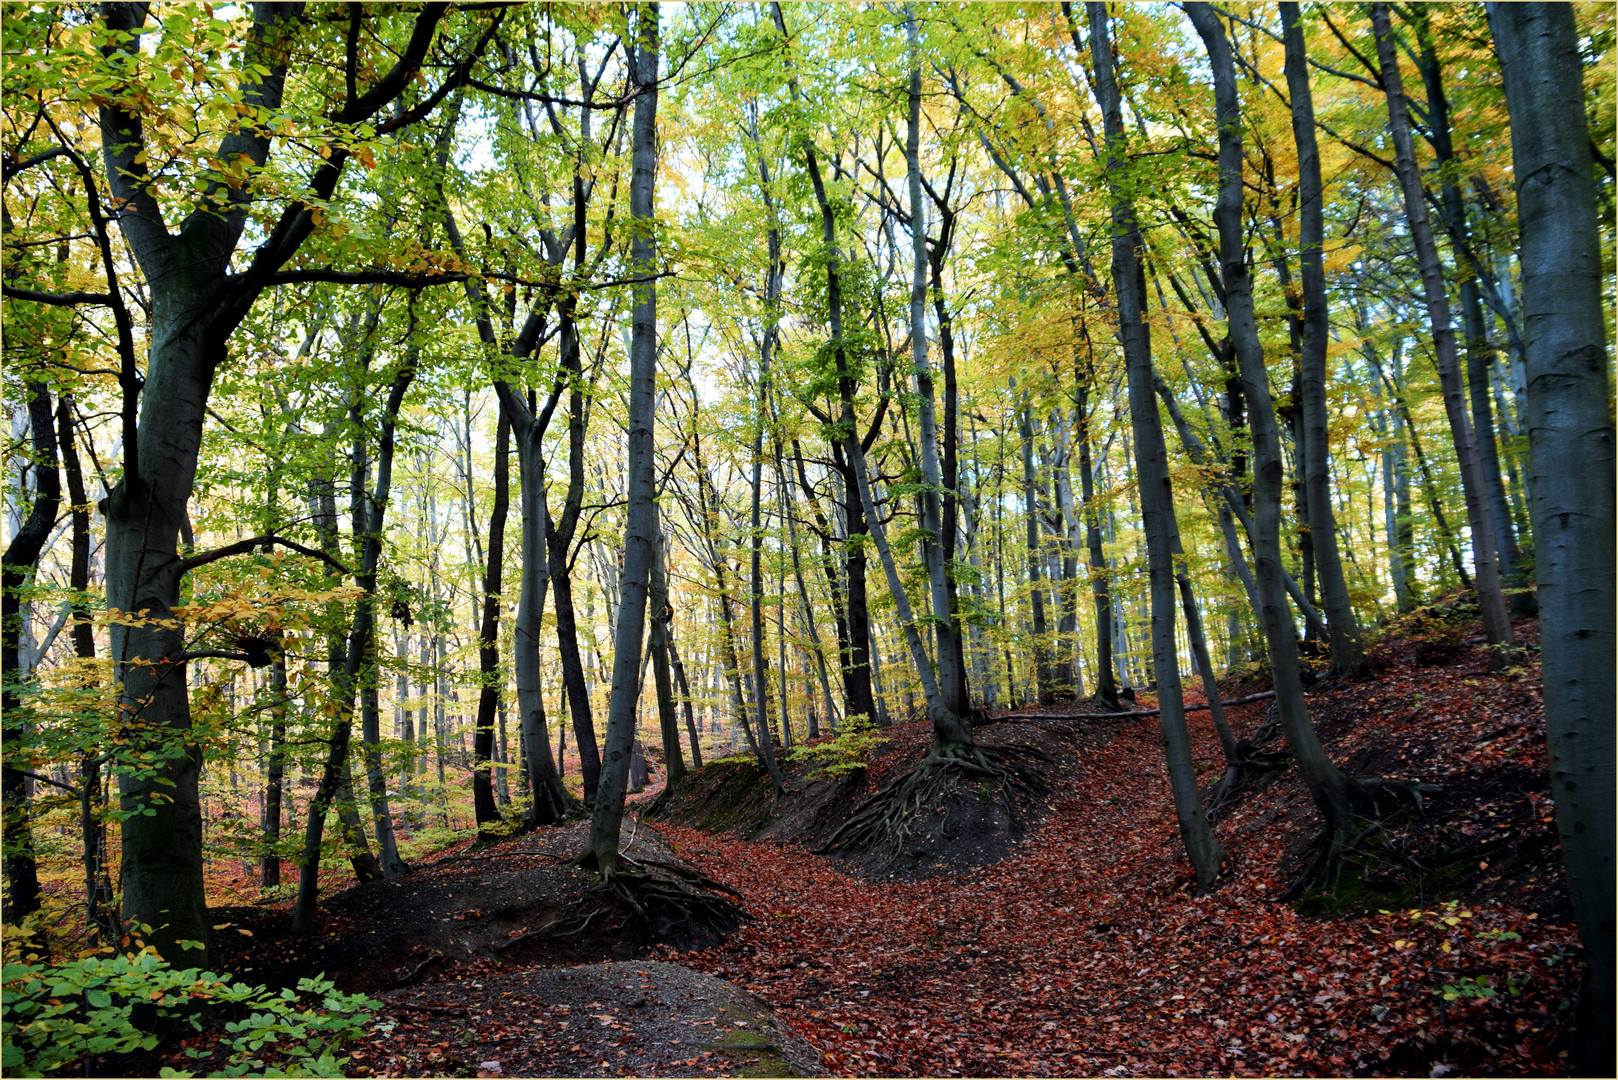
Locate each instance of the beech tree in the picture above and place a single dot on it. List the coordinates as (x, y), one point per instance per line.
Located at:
(1573, 508)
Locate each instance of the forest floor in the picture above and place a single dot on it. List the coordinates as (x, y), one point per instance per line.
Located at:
(1066, 943)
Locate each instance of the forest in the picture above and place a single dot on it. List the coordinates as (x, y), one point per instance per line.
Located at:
(810, 511)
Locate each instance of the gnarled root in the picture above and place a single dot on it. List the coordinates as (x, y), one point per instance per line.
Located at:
(887, 817)
(1252, 765)
(1335, 846)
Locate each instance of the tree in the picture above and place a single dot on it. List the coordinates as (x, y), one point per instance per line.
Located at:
(1573, 507)
(1151, 459)
(197, 301)
(1486, 566)
(640, 516)
(1347, 653)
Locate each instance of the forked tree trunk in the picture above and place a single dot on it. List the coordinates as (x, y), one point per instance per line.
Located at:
(1573, 507)
(951, 674)
(1328, 785)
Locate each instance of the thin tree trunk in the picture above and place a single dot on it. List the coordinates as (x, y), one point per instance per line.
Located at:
(1486, 568)
(22, 892)
(485, 810)
(1347, 651)
(661, 616)
(1036, 595)
(1151, 468)
(1327, 784)
(640, 514)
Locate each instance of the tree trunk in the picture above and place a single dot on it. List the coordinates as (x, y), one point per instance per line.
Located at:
(1036, 595)
(22, 893)
(640, 514)
(1347, 652)
(662, 615)
(1573, 507)
(368, 521)
(1486, 569)
(1327, 784)
(1474, 325)
(685, 703)
(1151, 469)
(946, 635)
(550, 798)
(485, 810)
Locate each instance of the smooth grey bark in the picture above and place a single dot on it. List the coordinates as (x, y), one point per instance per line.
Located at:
(1328, 785)
(1151, 466)
(662, 616)
(333, 789)
(1451, 208)
(485, 809)
(1486, 566)
(1106, 690)
(951, 732)
(731, 658)
(1570, 438)
(640, 513)
(803, 592)
(1043, 677)
(550, 799)
(369, 511)
(98, 892)
(766, 349)
(684, 686)
(951, 675)
(1347, 650)
(197, 302)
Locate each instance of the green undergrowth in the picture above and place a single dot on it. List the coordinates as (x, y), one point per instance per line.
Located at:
(62, 1018)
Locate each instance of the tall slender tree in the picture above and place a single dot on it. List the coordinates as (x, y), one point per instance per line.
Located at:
(1573, 507)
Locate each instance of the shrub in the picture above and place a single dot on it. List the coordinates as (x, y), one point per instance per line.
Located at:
(56, 1017)
(850, 751)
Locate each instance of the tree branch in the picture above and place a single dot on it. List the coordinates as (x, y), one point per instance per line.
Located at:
(242, 547)
(59, 299)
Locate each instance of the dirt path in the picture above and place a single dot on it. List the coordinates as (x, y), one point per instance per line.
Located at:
(635, 1018)
(1084, 953)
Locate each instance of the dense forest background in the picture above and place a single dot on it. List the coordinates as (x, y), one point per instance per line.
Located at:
(396, 392)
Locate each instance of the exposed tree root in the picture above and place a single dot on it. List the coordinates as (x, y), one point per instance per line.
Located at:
(1254, 763)
(1334, 847)
(887, 817)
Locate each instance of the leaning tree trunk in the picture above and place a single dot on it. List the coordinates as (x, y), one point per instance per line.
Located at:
(1327, 784)
(1573, 507)
(21, 559)
(640, 513)
(1486, 567)
(1347, 652)
(1151, 468)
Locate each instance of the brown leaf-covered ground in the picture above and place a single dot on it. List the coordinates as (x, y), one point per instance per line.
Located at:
(1082, 951)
